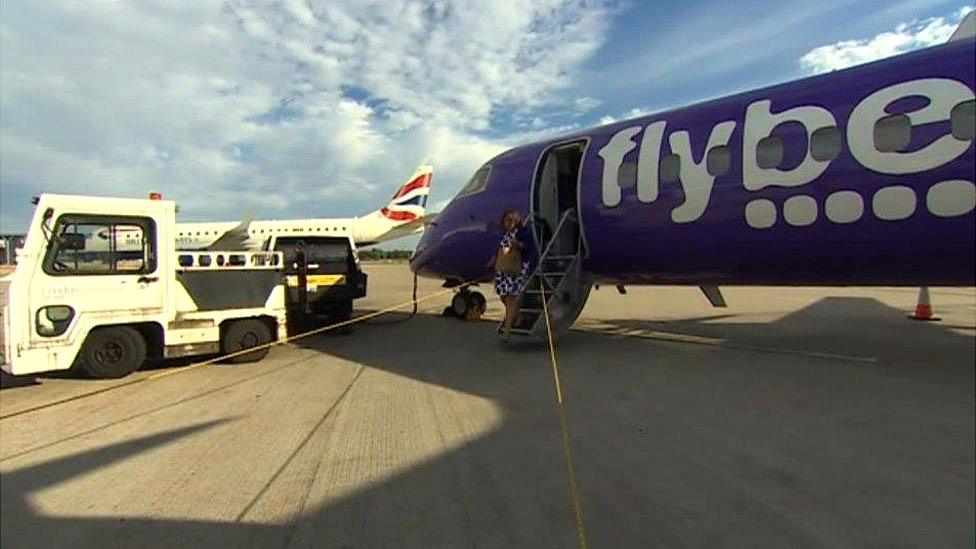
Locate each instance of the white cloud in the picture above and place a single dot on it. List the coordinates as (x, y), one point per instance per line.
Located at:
(632, 113)
(584, 104)
(298, 108)
(905, 37)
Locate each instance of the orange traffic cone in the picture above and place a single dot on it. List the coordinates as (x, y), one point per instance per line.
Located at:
(923, 310)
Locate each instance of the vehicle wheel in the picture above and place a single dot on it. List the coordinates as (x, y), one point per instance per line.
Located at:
(478, 301)
(448, 311)
(113, 352)
(460, 304)
(245, 334)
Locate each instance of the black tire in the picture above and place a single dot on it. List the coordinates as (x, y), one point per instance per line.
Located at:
(448, 311)
(460, 304)
(478, 301)
(112, 352)
(244, 334)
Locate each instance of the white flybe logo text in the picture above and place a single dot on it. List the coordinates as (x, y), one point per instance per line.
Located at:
(945, 100)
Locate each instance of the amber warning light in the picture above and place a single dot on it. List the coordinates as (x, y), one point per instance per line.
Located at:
(155, 196)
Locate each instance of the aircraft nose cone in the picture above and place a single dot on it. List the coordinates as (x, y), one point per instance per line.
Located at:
(420, 261)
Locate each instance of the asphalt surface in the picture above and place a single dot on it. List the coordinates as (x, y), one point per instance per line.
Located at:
(793, 418)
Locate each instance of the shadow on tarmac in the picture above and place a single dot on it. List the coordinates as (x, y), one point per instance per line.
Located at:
(676, 444)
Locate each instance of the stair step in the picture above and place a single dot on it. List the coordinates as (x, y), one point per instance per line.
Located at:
(514, 330)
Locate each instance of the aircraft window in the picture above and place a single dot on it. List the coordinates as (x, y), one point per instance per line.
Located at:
(204, 260)
(185, 260)
(627, 175)
(892, 133)
(718, 161)
(769, 152)
(477, 183)
(670, 168)
(963, 118)
(825, 144)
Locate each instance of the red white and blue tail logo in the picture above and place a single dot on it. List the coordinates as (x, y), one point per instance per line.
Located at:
(410, 201)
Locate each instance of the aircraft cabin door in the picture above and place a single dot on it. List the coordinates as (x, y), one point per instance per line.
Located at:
(556, 193)
(547, 199)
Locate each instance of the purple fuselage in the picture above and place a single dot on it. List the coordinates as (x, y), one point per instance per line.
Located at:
(871, 205)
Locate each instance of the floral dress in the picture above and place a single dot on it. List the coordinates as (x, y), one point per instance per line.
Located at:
(505, 284)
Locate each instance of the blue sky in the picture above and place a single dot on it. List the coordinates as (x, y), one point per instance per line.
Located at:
(318, 109)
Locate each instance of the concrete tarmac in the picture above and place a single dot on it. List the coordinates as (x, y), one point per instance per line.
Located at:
(805, 417)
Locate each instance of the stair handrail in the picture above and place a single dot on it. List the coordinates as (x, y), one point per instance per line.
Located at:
(552, 240)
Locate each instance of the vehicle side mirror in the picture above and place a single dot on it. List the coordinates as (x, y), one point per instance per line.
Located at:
(72, 241)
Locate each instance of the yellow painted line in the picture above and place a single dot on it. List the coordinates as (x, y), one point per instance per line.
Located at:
(674, 337)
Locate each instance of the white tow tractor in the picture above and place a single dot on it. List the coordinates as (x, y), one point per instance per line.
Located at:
(99, 285)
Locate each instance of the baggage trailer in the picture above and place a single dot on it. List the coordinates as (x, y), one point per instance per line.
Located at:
(323, 277)
(100, 286)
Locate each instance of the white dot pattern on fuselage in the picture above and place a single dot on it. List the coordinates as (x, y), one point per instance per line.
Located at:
(761, 213)
(844, 207)
(951, 198)
(800, 211)
(894, 203)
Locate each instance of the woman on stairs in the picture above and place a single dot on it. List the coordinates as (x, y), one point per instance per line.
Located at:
(511, 268)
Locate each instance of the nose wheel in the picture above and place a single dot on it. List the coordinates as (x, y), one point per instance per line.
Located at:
(466, 304)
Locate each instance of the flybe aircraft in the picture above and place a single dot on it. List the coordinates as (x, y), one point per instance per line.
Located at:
(863, 176)
(402, 216)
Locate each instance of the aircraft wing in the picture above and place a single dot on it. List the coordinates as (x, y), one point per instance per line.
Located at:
(411, 227)
(234, 239)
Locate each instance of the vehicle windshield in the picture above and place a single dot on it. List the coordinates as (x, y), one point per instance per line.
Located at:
(325, 255)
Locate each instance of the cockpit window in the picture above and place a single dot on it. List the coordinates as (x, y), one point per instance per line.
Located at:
(477, 183)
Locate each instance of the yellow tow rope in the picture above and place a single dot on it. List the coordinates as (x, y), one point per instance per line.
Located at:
(564, 426)
(570, 469)
(208, 362)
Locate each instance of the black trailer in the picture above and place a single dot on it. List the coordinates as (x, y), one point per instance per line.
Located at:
(323, 278)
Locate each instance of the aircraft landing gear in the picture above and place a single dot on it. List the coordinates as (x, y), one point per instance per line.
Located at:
(466, 304)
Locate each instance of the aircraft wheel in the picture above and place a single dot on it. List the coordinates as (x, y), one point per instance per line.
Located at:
(478, 301)
(460, 304)
(245, 334)
(113, 352)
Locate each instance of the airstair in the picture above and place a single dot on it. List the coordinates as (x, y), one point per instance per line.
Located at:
(557, 280)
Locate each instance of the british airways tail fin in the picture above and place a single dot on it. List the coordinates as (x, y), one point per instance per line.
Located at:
(410, 200)
(402, 215)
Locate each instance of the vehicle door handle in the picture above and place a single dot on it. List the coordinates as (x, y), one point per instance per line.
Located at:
(147, 279)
